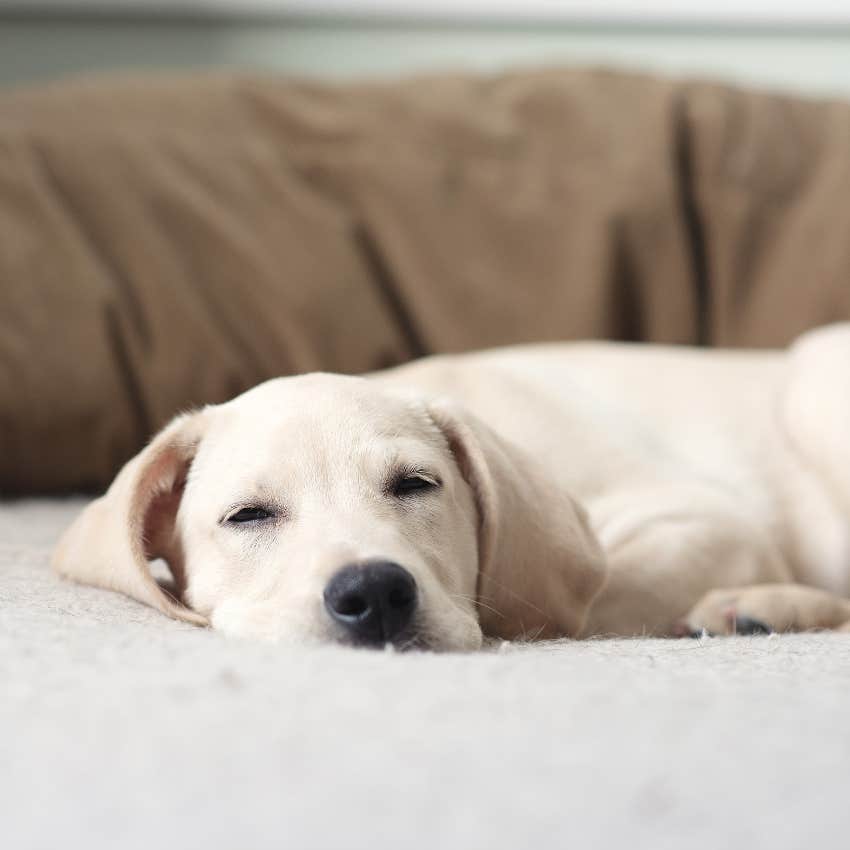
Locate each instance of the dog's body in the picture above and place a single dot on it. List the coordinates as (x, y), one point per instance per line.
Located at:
(580, 489)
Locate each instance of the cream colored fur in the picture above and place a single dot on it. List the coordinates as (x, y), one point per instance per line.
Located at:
(585, 489)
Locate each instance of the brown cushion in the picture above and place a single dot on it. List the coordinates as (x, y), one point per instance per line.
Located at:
(143, 275)
(772, 182)
(170, 242)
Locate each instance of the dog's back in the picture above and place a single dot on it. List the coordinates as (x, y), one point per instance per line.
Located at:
(626, 425)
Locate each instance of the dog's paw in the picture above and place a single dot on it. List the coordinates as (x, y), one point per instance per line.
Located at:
(766, 608)
(727, 612)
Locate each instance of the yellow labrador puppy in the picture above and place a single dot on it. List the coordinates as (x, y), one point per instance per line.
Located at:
(566, 489)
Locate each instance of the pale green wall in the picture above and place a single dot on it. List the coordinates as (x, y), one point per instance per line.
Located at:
(814, 61)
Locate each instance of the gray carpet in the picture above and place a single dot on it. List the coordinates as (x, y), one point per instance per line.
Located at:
(122, 729)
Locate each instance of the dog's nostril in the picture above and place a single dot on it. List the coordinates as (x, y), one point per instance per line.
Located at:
(351, 605)
(374, 602)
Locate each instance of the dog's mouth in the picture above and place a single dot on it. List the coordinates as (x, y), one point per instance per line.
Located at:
(414, 639)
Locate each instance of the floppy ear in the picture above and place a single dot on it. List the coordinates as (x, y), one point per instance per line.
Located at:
(540, 565)
(111, 543)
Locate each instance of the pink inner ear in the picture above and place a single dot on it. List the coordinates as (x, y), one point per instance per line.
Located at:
(165, 482)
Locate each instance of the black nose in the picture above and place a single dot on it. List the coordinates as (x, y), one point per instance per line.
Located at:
(374, 601)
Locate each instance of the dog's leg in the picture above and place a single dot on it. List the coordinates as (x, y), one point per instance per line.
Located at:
(660, 569)
(767, 608)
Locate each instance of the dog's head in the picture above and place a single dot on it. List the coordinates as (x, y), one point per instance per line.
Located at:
(331, 508)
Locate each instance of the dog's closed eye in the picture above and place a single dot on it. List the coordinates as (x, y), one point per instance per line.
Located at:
(248, 514)
(411, 482)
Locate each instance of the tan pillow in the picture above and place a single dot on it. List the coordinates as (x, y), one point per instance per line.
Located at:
(170, 242)
(144, 274)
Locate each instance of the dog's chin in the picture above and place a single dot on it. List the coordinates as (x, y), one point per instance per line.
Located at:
(418, 641)
(413, 642)
(455, 632)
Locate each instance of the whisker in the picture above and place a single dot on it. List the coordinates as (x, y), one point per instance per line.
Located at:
(517, 596)
(477, 602)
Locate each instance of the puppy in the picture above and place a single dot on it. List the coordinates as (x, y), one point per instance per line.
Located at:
(529, 492)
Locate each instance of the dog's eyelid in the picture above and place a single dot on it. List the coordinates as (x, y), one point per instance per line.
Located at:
(425, 476)
(411, 479)
(246, 513)
(416, 472)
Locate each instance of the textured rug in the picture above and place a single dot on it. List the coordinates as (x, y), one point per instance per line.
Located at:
(122, 729)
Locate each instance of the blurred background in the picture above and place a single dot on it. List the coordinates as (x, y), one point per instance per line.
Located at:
(197, 195)
(803, 46)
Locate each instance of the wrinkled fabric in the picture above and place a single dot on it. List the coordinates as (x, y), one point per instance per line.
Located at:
(170, 242)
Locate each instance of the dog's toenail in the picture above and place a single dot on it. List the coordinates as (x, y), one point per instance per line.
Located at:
(749, 626)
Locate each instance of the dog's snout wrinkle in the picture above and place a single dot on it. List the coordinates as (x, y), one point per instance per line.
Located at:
(374, 601)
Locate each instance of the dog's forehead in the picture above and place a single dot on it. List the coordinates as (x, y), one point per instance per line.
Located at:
(332, 418)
